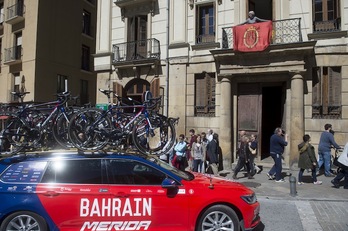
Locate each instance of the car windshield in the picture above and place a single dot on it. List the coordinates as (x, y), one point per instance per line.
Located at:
(182, 174)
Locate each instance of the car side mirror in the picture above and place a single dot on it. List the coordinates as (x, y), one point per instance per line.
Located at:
(168, 183)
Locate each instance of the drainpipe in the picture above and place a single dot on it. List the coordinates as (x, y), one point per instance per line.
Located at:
(167, 62)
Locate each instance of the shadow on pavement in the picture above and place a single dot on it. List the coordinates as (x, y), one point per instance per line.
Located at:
(259, 227)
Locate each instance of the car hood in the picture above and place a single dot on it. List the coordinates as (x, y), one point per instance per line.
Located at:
(214, 182)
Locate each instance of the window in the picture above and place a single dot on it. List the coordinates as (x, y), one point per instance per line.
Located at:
(206, 24)
(18, 46)
(137, 36)
(84, 97)
(326, 15)
(85, 58)
(205, 94)
(133, 172)
(1, 12)
(86, 23)
(326, 96)
(16, 86)
(62, 83)
(74, 172)
(24, 172)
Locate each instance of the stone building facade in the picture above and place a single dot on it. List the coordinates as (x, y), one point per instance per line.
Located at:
(183, 50)
(46, 48)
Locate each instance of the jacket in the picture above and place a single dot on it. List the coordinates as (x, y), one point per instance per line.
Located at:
(343, 158)
(212, 151)
(307, 156)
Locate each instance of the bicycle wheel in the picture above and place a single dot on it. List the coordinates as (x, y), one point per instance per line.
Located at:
(16, 133)
(89, 129)
(154, 135)
(61, 127)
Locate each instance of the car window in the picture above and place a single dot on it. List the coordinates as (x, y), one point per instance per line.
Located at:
(24, 172)
(85, 171)
(133, 172)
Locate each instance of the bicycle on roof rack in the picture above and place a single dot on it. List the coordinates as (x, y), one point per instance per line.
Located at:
(94, 129)
(41, 125)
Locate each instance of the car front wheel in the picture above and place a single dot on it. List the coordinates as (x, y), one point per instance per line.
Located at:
(219, 218)
(24, 221)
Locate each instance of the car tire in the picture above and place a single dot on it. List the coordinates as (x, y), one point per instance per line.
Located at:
(24, 220)
(219, 217)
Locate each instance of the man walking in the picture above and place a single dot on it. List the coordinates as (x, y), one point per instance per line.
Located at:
(326, 141)
(277, 144)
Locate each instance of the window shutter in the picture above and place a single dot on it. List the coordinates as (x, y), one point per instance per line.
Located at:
(335, 86)
(118, 89)
(155, 87)
(200, 92)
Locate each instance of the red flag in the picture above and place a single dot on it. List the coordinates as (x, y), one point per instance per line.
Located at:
(252, 37)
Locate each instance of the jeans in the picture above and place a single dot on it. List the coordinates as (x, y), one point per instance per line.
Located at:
(314, 174)
(197, 165)
(325, 158)
(343, 173)
(277, 167)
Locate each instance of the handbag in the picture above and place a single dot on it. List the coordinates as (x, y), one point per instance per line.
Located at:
(179, 158)
(253, 151)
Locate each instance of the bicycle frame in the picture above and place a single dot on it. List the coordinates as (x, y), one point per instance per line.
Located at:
(127, 127)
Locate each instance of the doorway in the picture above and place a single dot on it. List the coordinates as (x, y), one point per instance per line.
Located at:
(137, 35)
(262, 8)
(272, 114)
(260, 110)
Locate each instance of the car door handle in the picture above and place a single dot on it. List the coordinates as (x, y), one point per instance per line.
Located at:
(122, 194)
(51, 194)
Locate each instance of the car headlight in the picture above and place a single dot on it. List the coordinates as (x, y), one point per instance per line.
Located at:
(250, 199)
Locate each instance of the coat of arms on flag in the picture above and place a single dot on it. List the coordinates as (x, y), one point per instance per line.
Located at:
(252, 37)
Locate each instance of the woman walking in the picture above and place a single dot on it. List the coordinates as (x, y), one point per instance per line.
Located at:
(307, 160)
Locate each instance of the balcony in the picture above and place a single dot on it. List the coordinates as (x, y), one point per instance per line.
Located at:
(327, 30)
(15, 13)
(284, 32)
(136, 52)
(125, 3)
(13, 55)
(327, 26)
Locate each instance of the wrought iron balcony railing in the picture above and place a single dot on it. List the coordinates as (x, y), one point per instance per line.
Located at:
(136, 50)
(327, 26)
(328, 112)
(207, 38)
(13, 54)
(284, 32)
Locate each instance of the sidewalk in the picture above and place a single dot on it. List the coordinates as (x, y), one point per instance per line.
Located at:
(319, 207)
(263, 186)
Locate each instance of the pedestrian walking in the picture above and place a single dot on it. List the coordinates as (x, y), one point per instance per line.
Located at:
(244, 155)
(307, 160)
(253, 149)
(343, 169)
(212, 154)
(278, 142)
(326, 142)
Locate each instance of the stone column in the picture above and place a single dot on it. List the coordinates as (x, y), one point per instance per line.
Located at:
(297, 116)
(226, 122)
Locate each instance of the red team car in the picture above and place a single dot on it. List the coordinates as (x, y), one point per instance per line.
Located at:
(118, 191)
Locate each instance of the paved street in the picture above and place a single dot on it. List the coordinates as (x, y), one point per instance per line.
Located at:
(312, 208)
